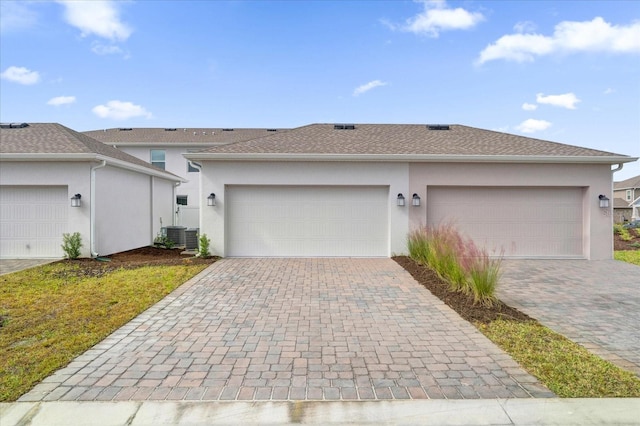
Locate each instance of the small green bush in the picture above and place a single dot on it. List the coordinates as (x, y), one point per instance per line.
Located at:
(622, 232)
(203, 250)
(71, 244)
(163, 241)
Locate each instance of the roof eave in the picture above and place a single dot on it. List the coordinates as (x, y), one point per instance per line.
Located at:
(51, 157)
(411, 158)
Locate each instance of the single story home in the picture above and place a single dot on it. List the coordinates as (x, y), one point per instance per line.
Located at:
(358, 189)
(626, 194)
(163, 147)
(54, 180)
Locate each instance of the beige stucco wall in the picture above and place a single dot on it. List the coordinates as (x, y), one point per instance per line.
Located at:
(175, 163)
(217, 175)
(595, 179)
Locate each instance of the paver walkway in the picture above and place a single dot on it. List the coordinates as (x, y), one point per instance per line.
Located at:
(294, 329)
(593, 303)
(8, 266)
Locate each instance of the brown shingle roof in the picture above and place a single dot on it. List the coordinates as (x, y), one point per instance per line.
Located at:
(633, 182)
(403, 139)
(54, 138)
(179, 136)
(619, 203)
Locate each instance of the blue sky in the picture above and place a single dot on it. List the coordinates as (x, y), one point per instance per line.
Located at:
(566, 71)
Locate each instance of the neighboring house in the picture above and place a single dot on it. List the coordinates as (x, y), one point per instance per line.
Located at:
(622, 211)
(625, 195)
(163, 147)
(123, 200)
(635, 206)
(335, 190)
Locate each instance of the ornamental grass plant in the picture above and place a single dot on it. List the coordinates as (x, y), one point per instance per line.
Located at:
(457, 260)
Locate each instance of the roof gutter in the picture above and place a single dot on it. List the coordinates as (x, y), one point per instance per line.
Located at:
(411, 158)
(91, 157)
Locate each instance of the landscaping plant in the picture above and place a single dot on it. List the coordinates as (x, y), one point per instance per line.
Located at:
(71, 245)
(203, 250)
(457, 260)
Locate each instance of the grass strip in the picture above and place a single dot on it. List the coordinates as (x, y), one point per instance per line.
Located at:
(53, 313)
(565, 367)
(629, 256)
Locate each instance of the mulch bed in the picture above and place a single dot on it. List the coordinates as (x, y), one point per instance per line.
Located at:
(461, 303)
(620, 244)
(136, 258)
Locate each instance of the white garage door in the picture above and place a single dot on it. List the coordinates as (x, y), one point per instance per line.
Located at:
(307, 221)
(32, 221)
(524, 222)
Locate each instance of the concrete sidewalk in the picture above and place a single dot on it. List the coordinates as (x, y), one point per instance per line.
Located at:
(550, 411)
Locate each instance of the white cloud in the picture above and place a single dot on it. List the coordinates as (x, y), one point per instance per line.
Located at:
(529, 107)
(61, 100)
(16, 16)
(596, 35)
(366, 87)
(118, 110)
(567, 100)
(437, 17)
(532, 125)
(524, 27)
(608, 91)
(104, 49)
(21, 75)
(97, 17)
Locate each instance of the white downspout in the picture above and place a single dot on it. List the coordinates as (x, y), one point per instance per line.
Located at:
(175, 205)
(92, 209)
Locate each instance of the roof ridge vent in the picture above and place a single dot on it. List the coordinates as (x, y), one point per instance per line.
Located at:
(227, 130)
(272, 130)
(438, 127)
(344, 127)
(125, 129)
(173, 129)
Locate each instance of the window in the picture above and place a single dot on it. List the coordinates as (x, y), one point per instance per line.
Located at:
(628, 195)
(181, 200)
(158, 158)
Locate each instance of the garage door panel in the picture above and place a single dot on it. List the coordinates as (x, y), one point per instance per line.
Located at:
(32, 220)
(307, 221)
(529, 222)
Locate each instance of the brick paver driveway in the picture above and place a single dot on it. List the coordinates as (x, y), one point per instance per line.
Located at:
(296, 329)
(594, 303)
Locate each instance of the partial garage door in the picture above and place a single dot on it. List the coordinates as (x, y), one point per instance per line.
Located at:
(522, 222)
(307, 221)
(32, 221)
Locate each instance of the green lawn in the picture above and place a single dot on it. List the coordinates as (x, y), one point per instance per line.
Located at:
(565, 367)
(630, 256)
(51, 314)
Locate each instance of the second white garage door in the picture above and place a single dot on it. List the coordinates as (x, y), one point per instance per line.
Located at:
(307, 221)
(522, 222)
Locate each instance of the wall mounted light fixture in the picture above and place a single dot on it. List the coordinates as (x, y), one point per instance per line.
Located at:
(604, 201)
(415, 200)
(400, 200)
(211, 200)
(75, 200)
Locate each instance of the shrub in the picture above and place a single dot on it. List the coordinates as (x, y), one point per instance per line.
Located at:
(71, 244)
(203, 250)
(163, 241)
(457, 260)
(624, 233)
